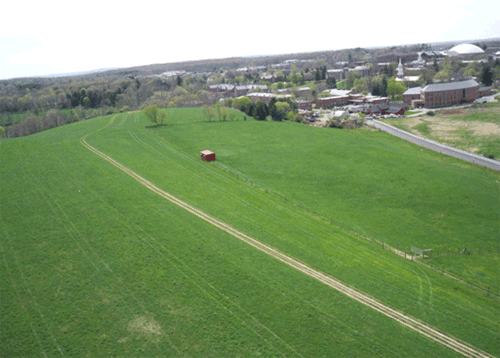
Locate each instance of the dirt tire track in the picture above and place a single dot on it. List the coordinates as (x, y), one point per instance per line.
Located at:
(408, 321)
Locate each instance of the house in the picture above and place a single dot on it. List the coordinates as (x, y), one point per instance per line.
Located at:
(396, 108)
(221, 88)
(376, 99)
(268, 78)
(303, 91)
(304, 105)
(338, 74)
(363, 70)
(266, 97)
(250, 70)
(243, 90)
(380, 108)
(329, 102)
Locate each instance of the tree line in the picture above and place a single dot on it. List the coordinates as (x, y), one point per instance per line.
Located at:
(53, 118)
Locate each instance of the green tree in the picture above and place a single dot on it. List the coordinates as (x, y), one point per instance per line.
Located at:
(473, 69)
(154, 114)
(331, 82)
(487, 76)
(208, 112)
(394, 88)
(361, 85)
(436, 66)
(244, 104)
(351, 77)
(86, 102)
(261, 111)
(280, 110)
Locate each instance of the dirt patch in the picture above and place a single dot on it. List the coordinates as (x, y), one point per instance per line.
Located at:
(451, 111)
(143, 327)
(479, 128)
(444, 126)
(486, 128)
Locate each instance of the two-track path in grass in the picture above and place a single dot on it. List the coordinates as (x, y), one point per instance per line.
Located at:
(418, 326)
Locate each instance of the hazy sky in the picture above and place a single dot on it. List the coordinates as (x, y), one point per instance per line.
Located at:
(49, 37)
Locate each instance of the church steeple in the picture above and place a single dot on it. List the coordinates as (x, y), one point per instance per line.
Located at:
(400, 73)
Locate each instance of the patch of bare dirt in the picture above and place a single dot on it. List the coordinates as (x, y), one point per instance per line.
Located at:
(442, 126)
(482, 128)
(451, 111)
(145, 327)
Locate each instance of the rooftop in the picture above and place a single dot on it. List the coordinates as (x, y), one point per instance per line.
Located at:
(466, 49)
(414, 90)
(450, 86)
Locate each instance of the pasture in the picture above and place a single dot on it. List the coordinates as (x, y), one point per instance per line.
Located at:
(95, 264)
(367, 183)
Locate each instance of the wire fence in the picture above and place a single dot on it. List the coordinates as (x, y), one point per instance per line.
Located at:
(418, 256)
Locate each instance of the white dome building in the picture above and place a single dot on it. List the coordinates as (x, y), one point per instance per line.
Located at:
(465, 49)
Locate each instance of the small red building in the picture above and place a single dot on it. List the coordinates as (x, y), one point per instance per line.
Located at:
(207, 155)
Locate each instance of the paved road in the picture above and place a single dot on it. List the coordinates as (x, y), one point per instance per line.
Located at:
(438, 147)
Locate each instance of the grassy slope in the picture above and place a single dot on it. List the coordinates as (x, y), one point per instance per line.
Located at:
(97, 265)
(292, 230)
(366, 182)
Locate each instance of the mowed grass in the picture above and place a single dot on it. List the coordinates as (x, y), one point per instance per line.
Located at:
(365, 182)
(94, 264)
(328, 246)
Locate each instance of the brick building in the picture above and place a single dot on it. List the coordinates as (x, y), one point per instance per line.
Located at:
(449, 94)
(443, 94)
(328, 102)
(304, 105)
(411, 94)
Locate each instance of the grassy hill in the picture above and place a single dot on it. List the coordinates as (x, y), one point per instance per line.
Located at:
(95, 264)
(368, 183)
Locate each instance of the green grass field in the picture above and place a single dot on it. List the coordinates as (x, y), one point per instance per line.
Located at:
(365, 182)
(95, 264)
(475, 129)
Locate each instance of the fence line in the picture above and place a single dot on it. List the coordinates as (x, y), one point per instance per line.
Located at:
(412, 257)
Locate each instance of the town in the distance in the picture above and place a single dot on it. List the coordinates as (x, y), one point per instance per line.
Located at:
(328, 88)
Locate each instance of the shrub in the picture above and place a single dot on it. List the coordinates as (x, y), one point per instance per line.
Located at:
(431, 113)
(335, 123)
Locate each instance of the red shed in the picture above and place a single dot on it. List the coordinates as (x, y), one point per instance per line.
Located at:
(207, 155)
